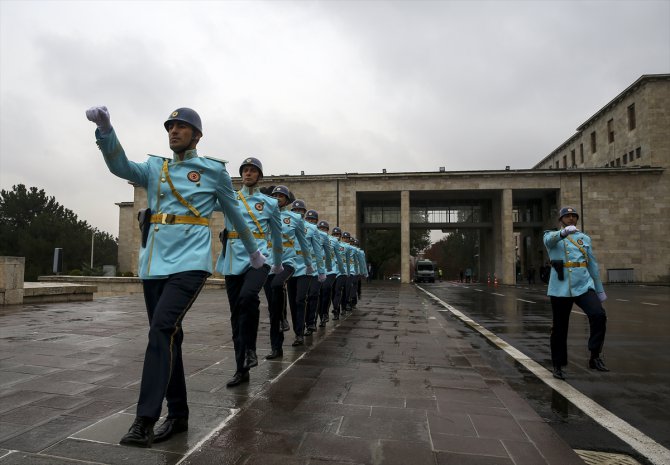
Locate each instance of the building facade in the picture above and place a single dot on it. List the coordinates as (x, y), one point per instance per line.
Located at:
(624, 206)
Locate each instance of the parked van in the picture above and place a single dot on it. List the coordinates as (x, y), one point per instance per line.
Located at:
(424, 271)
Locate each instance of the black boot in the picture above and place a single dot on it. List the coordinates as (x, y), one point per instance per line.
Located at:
(276, 353)
(597, 363)
(558, 373)
(170, 427)
(250, 359)
(238, 378)
(284, 325)
(140, 434)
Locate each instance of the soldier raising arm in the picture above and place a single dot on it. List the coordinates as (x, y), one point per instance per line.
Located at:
(175, 258)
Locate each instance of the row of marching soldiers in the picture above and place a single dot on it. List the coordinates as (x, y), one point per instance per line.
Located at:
(271, 242)
(306, 267)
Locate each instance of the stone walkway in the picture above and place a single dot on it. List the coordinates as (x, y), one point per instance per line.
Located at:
(395, 382)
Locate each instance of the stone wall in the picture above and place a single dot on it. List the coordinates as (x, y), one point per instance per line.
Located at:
(12, 270)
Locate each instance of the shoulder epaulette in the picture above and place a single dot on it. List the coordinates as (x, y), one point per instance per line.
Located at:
(217, 159)
(159, 156)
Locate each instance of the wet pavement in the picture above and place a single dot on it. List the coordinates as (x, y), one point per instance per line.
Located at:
(395, 382)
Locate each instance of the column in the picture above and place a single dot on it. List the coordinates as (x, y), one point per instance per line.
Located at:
(404, 237)
(507, 238)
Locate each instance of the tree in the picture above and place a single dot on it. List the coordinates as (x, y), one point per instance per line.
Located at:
(382, 248)
(455, 252)
(33, 224)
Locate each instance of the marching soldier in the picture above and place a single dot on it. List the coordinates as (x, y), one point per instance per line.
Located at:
(362, 271)
(342, 275)
(298, 284)
(175, 257)
(293, 229)
(351, 268)
(337, 266)
(575, 278)
(315, 288)
(261, 214)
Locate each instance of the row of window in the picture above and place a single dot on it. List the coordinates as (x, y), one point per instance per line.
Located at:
(627, 158)
(632, 124)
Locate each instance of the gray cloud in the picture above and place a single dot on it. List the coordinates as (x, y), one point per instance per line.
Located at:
(324, 87)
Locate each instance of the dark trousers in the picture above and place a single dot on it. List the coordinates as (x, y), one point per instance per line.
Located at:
(312, 302)
(298, 287)
(275, 292)
(167, 301)
(349, 291)
(561, 308)
(243, 290)
(339, 293)
(326, 296)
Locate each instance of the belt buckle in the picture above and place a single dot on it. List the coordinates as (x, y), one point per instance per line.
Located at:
(167, 218)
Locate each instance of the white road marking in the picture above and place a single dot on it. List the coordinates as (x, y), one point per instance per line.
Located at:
(650, 303)
(653, 451)
(495, 293)
(529, 301)
(479, 290)
(623, 300)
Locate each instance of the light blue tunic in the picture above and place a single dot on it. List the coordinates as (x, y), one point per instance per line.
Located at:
(293, 230)
(266, 211)
(327, 252)
(577, 280)
(174, 248)
(336, 256)
(362, 265)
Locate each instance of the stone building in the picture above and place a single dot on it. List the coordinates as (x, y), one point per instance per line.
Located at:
(613, 170)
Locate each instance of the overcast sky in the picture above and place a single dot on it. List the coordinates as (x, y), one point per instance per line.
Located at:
(319, 86)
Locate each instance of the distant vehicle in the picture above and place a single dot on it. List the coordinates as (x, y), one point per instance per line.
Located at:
(424, 271)
(394, 277)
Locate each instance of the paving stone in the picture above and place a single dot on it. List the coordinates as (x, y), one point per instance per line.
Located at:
(384, 428)
(404, 453)
(44, 435)
(333, 447)
(111, 454)
(22, 458)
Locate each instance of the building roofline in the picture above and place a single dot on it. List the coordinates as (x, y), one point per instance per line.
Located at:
(641, 80)
(638, 82)
(269, 179)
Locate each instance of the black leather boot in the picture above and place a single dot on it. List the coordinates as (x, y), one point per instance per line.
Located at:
(596, 363)
(170, 427)
(558, 373)
(140, 434)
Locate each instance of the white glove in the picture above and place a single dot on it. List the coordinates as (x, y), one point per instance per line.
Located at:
(322, 277)
(309, 270)
(276, 269)
(100, 116)
(257, 259)
(602, 296)
(568, 230)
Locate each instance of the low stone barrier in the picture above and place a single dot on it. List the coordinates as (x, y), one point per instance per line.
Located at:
(112, 286)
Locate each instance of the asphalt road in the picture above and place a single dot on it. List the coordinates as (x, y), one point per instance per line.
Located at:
(636, 390)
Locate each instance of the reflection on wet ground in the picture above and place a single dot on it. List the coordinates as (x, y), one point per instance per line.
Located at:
(634, 350)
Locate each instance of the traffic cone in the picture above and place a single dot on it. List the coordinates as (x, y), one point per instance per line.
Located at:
(495, 280)
(488, 279)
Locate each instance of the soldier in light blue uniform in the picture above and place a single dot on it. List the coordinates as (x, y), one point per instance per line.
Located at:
(293, 231)
(361, 271)
(336, 266)
(575, 278)
(175, 259)
(298, 285)
(312, 218)
(243, 284)
(339, 290)
(352, 271)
